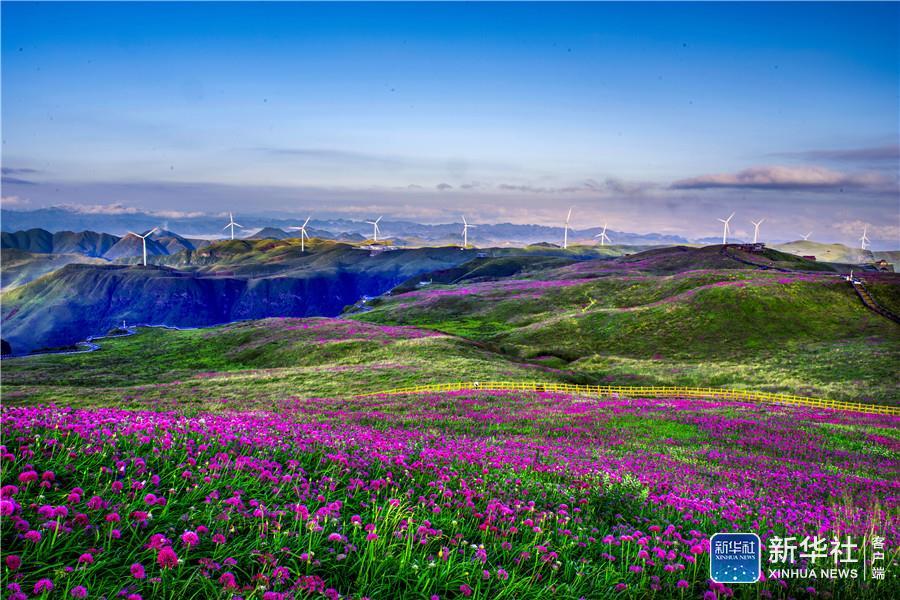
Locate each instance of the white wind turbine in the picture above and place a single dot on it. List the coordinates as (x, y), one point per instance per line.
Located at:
(566, 230)
(864, 240)
(466, 232)
(756, 230)
(726, 229)
(232, 224)
(603, 237)
(302, 230)
(375, 229)
(806, 237)
(144, 241)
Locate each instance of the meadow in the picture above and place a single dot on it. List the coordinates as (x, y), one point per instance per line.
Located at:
(453, 495)
(255, 460)
(256, 364)
(635, 323)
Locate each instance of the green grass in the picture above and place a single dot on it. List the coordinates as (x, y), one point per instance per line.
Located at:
(261, 361)
(857, 370)
(726, 328)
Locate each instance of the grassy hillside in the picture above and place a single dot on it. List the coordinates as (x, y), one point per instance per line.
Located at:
(21, 266)
(682, 316)
(227, 281)
(236, 280)
(256, 362)
(616, 321)
(839, 253)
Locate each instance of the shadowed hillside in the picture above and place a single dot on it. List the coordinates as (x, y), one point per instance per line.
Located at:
(226, 282)
(20, 266)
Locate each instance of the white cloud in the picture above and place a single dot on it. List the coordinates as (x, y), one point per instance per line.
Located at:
(784, 178)
(11, 201)
(121, 209)
(882, 232)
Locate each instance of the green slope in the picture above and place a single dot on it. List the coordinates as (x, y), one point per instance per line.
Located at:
(21, 267)
(259, 362)
(741, 327)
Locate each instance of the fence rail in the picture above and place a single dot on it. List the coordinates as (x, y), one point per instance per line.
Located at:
(644, 392)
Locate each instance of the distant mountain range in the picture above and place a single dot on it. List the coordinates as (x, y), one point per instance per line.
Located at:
(97, 245)
(400, 231)
(32, 253)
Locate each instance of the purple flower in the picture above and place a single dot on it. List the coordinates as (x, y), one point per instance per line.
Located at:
(190, 539)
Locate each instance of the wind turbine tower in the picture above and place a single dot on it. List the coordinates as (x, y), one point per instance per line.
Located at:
(864, 240)
(303, 235)
(603, 237)
(756, 229)
(144, 241)
(232, 224)
(726, 229)
(375, 228)
(566, 230)
(466, 232)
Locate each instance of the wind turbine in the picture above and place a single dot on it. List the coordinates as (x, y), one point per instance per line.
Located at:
(566, 230)
(302, 230)
(726, 229)
(144, 241)
(232, 224)
(374, 225)
(864, 239)
(806, 237)
(603, 237)
(466, 232)
(756, 230)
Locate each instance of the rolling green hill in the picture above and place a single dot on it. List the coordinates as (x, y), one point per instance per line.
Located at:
(838, 253)
(685, 316)
(257, 363)
(639, 319)
(21, 266)
(222, 282)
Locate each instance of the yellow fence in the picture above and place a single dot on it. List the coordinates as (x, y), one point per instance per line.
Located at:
(645, 392)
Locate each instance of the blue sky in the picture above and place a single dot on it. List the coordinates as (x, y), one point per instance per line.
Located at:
(651, 115)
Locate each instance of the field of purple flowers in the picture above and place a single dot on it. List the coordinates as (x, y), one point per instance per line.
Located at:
(467, 494)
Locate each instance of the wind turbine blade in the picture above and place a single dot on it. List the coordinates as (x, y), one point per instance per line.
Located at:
(152, 230)
(226, 227)
(236, 225)
(133, 233)
(379, 218)
(306, 222)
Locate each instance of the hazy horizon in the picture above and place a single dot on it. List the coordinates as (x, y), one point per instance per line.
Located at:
(651, 118)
